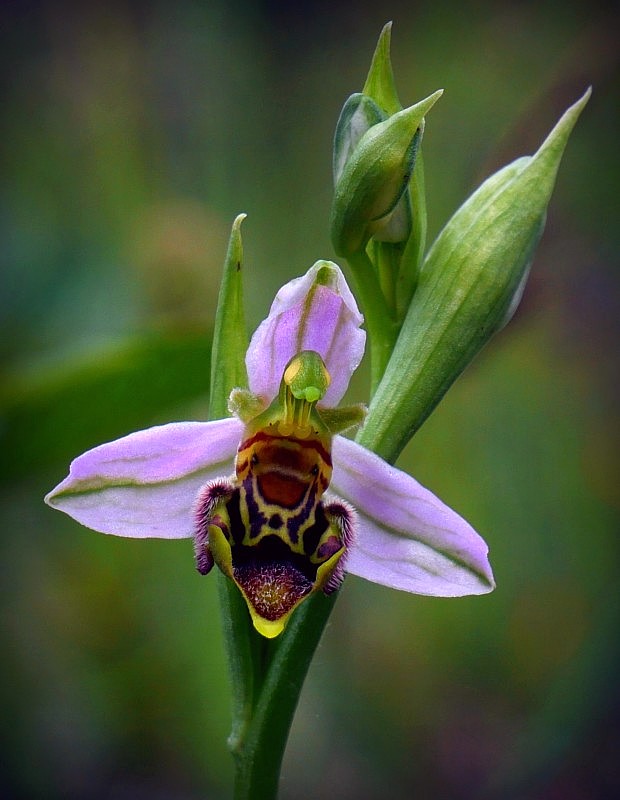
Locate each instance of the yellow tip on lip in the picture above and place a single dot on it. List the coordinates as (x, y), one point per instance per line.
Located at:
(267, 628)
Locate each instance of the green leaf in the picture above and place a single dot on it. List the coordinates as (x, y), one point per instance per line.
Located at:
(48, 417)
(230, 338)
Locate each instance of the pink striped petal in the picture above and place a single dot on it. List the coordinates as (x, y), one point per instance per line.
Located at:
(407, 538)
(144, 484)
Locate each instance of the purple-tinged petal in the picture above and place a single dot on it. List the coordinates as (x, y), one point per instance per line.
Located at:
(407, 538)
(314, 312)
(145, 484)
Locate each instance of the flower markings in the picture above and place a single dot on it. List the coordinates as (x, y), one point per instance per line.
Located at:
(304, 504)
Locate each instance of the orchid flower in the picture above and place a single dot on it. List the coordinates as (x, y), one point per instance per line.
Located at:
(304, 504)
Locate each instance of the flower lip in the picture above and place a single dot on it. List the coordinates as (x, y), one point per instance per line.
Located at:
(295, 462)
(272, 585)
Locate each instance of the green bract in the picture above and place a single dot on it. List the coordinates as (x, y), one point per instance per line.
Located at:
(469, 285)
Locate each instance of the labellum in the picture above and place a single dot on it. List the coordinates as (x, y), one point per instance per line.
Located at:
(268, 528)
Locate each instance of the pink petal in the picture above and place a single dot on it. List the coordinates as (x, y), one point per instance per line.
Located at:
(314, 312)
(144, 484)
(407, 538)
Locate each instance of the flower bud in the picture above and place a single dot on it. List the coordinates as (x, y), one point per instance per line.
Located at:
(470, 283)
(375, 174)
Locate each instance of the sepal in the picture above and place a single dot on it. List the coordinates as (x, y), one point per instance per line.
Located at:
(144, 484)
(406, 537)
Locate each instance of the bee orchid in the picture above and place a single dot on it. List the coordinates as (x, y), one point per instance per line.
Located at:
(275, 495)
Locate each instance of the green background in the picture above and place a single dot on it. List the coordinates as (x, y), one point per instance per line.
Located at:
(131, 137)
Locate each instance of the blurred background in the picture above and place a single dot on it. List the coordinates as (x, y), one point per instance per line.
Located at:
(132, 134)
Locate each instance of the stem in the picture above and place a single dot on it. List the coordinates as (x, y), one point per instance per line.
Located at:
(287, 660)
(387, 267)
(244, 660)
(381, 326)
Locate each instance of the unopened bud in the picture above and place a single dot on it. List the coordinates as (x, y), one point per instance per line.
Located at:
(375, 175)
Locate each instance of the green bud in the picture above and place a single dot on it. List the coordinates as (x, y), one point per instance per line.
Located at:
(375, 176)
(469, 285)
(396, 226)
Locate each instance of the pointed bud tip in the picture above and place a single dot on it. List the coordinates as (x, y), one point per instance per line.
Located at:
(546, 160)
(585, 96)
(422, 107)
(580, 104)
(570, 116)
(559, 134)
(385, 36)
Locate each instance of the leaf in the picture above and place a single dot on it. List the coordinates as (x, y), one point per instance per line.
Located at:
(50, 417)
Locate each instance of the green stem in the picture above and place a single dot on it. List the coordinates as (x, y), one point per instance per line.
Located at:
(244, 660)
(286, 663)
(382, 329)
(385, 256)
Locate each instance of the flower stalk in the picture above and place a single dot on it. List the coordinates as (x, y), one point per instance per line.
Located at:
(253, 490)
